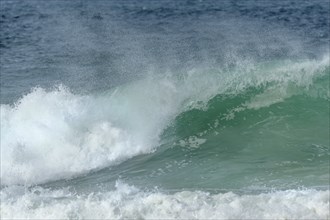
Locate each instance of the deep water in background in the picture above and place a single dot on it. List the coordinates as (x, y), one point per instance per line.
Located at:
(165, 109)
(92, 45)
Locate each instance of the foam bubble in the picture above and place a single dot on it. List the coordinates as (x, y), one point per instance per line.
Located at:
(128, 202)
(50, 135)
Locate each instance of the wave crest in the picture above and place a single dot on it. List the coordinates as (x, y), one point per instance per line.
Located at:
(50, 135)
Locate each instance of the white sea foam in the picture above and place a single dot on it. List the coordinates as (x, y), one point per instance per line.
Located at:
(49, 135)
(128, 202)
(56, 134)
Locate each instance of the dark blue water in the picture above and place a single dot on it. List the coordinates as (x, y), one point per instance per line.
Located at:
(93, 45)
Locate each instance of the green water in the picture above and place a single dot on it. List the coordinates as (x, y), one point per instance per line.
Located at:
(236, 142)
(227, 146)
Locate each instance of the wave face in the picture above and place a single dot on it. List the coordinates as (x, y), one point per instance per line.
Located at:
(50, 135)
(164, 109)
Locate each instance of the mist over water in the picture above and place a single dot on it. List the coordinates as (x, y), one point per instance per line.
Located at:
(169, 109)
(97, 45)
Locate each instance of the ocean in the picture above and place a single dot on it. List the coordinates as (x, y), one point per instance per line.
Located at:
(165, 109)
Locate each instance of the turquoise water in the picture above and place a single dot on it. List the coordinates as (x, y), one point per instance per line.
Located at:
(270, 137)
